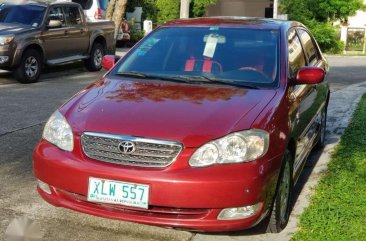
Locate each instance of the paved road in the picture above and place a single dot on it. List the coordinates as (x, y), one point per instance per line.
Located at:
(24, 110)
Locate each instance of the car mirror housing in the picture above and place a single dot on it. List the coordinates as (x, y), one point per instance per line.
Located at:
(310, 75)
(54, 24)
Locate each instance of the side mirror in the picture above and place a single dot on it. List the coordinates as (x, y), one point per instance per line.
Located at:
(54, 24)
(310, 75)
(108, 61)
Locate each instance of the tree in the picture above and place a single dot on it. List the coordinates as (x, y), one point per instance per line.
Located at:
(330, 10)
(115, 11)
(318, 16)
(167, 10)
(198, 7)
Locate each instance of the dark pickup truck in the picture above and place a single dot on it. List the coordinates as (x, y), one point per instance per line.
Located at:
(35, 34)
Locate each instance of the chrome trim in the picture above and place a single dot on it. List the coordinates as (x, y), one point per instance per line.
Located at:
(130, 159)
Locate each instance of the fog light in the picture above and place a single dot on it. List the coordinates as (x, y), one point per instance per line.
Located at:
(4, 59)
(44, 187)
(238, 213)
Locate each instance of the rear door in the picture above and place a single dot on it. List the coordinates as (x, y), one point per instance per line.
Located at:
(77, 31)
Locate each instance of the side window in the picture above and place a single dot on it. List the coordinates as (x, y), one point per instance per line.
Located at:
(309, 47)
(56, 13)
(296, 55)
(73, 16)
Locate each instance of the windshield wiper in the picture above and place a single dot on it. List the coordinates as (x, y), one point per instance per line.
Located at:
(203, 78)
(133, 74)
(186, 79)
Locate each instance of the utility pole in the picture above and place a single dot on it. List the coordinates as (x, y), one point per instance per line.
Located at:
(275, 9)
(184, 8)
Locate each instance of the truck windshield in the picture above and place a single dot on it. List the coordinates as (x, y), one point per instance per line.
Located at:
(31, 15)
(239, 56)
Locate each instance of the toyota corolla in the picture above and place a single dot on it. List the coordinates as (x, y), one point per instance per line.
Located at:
(205, 124)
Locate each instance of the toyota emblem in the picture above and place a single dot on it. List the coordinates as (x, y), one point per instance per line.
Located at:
(127, 147)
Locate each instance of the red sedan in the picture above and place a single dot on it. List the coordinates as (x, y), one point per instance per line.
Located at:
(205, 124)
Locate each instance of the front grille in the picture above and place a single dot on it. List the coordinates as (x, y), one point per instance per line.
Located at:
(147, 152)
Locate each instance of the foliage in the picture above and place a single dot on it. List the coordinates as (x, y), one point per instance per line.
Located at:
(318, 15)
(167, 10)
(136, 35)
(335, 9)
(338, 210)
(326, 36)
(198, 7)
(148, 6)
(321, 10)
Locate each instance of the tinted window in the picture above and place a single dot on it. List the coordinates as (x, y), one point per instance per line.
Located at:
(309, 47)
(56, 13)
(103, 4)
(296, 55)
(23, 14)
(85, 4)
(73, 16)
(243, 55)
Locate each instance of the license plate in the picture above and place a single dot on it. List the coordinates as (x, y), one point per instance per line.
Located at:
(116, 192)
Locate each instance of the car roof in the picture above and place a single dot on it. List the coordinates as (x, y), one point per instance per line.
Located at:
(44, 3)
(229, 21)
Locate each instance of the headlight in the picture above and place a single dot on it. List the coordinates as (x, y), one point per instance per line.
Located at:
(58, 132)
(237, 147)
(4, 40)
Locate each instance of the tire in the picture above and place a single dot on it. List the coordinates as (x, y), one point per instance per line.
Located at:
(322, 131)
(30, 67)
(94, 63)
(280, 212)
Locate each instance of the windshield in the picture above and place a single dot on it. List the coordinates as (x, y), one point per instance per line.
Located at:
(31, 15)
(231, 55)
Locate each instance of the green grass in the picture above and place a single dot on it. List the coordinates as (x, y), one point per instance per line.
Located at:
(338, 208)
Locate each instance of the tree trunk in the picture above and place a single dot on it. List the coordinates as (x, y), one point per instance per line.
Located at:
(119, 11)
(110, 9)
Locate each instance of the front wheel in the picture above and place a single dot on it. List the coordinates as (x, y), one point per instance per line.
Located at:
(94, 62)
(30, 67)
(280, 213)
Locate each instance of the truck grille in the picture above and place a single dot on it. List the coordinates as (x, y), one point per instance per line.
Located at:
(129, 150)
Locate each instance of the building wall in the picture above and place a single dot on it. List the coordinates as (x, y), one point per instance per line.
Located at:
(247, 8)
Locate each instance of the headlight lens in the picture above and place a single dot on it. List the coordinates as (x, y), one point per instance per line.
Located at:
(4, 40)
(238, 147)
(58, 132)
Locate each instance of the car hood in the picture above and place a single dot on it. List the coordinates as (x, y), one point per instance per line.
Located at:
(192, 114)
(11, 28)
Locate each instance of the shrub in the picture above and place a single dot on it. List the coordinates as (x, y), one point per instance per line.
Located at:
(198, 7)
(326, 36)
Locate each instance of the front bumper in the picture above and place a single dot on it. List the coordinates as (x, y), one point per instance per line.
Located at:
(10, 52)
(180, 196)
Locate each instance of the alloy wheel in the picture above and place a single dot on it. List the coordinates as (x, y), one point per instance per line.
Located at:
(31, 66)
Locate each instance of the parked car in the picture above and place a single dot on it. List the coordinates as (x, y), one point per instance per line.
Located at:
(205, 124)
(93, 9)
(34, 34)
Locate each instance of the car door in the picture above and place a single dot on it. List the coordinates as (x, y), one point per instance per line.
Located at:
(77, 32)
(302, 98)
(55, 40)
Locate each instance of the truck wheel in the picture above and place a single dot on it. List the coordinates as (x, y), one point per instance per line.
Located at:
(94, 63)
(280, 213)
(30, 67)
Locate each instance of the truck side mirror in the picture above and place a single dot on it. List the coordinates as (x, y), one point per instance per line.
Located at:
(54, 24)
